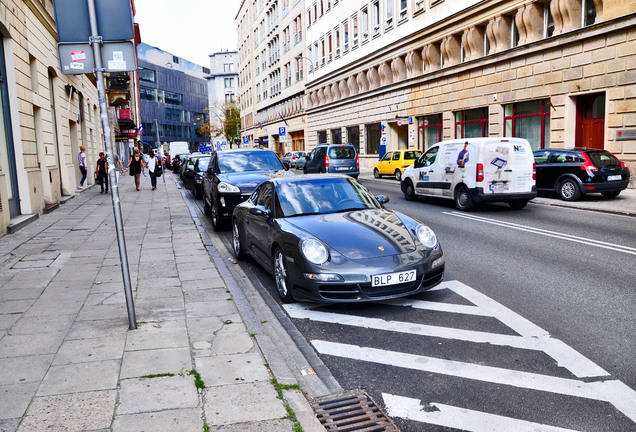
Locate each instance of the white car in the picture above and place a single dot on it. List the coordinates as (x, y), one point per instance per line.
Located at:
(474, 170)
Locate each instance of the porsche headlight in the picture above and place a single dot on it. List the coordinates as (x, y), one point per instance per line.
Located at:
(314, 250)
(426, 236)
(226, 187)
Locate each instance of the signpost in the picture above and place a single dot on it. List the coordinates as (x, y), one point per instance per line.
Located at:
(282, 134)
(89, 30)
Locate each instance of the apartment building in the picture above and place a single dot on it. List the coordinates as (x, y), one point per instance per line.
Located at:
(45, 116)
(391, 74)
(271, 74)
(223, 88)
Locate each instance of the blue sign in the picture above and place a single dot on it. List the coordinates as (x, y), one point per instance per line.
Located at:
(246, 140)
(281, 131)
(205, 147)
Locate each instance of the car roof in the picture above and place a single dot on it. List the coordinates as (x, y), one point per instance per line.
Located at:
(335, 145)
(292, 177)
(245, 151)
(573, 149)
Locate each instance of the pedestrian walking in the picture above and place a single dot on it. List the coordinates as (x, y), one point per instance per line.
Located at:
(81, 157)
(136, 166)
(101, 172)
(119, 167)
(152, 163)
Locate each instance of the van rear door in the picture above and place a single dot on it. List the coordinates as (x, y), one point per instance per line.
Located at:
(508, 166)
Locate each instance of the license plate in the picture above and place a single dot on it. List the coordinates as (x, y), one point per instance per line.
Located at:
(342, 169)
(393, 278)
(614, 177)
(499, 187)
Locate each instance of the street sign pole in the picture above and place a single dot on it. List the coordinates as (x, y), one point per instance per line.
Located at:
(96, 42)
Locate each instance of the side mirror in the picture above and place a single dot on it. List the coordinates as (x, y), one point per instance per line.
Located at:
(260, 211)
(382, 199)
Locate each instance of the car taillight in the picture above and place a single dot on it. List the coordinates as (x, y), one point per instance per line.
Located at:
(588, 165)
(534, 171)
(358, 161)
(293, 157)
(480, 172)
(620, 161)
(326, 161)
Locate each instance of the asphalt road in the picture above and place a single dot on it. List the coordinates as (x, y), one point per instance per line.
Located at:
(533, 328)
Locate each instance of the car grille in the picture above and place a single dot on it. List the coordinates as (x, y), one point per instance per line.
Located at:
(352, 291)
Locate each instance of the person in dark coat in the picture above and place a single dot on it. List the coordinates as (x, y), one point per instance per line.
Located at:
(101, 172)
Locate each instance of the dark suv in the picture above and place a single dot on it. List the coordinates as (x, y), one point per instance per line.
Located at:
(333, 158)
(577, 171)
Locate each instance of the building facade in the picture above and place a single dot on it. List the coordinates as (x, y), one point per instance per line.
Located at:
(271, 73)
(174, 95)
(390, 74)
(45, 116)
(223, 89)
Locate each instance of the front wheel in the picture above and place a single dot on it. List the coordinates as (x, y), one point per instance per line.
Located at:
(216, 219)
(612, 194)
(463, 200)
(376, 173)
(409, 190)
(206, 208)
(569, 190)
(236, 241)
(398, 175)
(281, 276)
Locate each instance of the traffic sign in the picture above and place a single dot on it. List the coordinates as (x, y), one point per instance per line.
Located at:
(114, 20)
(78, 58)
(282, 134)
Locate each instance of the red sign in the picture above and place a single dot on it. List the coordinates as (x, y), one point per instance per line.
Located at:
(124, 114)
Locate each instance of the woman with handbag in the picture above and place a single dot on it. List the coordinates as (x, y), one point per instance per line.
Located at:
(136, 166)
(153, 166)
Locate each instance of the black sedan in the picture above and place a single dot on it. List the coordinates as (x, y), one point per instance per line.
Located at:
(578, 171)
(192, 178)
(231, 178)
(328, 239)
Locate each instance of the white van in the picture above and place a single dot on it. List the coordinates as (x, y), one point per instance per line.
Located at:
(474, 170)
(178, 147)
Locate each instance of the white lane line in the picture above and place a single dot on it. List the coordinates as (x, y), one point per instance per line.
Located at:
(614, 392)
(437, 306)
(564, 355)
(547, 233)
(460, 418)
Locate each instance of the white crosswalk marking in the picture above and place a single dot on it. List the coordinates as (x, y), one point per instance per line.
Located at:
(460, 418)
(531, 337)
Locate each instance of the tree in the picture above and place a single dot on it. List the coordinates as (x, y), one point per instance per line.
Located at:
(225, 121)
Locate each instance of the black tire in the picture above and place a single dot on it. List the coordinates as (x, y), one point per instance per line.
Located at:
(517, 204)
(569, 190)
(463, 200)
(304, 170)
(409, 190)
(612, 194)
(237, 245)
(279, 267)
(216, 219)
(198, 193)
(376, 173)
(398, 174)
(206, 208)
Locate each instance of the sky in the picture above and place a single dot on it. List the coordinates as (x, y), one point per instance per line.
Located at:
(190, 29)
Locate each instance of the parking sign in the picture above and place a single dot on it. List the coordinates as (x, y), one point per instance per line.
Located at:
(282, 134)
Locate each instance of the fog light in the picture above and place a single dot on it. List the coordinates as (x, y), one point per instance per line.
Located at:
(324, 277)
(222, 199)
(439, 261)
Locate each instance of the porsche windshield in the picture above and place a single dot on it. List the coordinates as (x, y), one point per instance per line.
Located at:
(249, 161)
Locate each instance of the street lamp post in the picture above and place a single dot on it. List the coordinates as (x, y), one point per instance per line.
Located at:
(298, 57)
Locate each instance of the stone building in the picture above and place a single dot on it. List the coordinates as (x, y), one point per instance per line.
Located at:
(389, 74)
(222, 89)
(44, 117)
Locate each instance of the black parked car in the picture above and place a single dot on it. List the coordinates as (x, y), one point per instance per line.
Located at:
(327, 239)
(192, 178)
(176, 161)
(231, 178)
(577, 171)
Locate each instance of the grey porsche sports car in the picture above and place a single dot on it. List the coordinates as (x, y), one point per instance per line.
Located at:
(326, 238)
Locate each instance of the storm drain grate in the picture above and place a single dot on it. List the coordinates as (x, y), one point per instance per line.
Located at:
(351, 411)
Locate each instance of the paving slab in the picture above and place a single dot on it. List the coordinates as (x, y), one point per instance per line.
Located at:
(217, 308)
(232, 339)
(9, 425)
(31, 344)
(149, 337)
(150, 362)
(232, 369)
(79, 377)
(142, 395)
(90, 350)
(69, 413)
(24, 369)
(43, 324)
(16, 398)
(242, 403)
(174, 420)
(99, 328)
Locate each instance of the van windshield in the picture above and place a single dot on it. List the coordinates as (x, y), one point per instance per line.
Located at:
(344, 152)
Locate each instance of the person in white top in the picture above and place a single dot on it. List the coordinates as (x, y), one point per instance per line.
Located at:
(81, 158)
(151, 163)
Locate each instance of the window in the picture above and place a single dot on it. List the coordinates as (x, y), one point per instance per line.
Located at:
(175, 59)
(147, 93)
(354, 25)
(229, 98)
(419, 5)
(323, 51)
(353, 137)
(336, 32)
(430, 130)
(229, 82)
(375, 10)
(373, 134)
(548, 21)
(529, 120)
(589, 12)
(228, 67)
(345, 35)
(329, 46)
(147, 75)
(389, 12)
(173, 98)
(471, 123)
(403, 9)
(336, 136)
(322, 137)
(364, 24)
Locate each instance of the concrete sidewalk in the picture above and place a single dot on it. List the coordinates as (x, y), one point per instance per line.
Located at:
(68, 361)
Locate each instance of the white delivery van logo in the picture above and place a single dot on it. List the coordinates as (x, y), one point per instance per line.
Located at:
(495, 174)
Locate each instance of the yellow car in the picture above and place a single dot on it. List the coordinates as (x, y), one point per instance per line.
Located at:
(395, 162)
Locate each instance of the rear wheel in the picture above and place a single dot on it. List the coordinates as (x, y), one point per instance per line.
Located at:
(304, 170)
(409, 190)
(463, 200)
(281, 276)
(236, 241)
(376, 173)
(216, 219)
(569, 190)
(398, 175)
(612, 194)
(517, 204)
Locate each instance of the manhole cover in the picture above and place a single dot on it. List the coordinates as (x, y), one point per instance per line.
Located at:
(351, 411)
